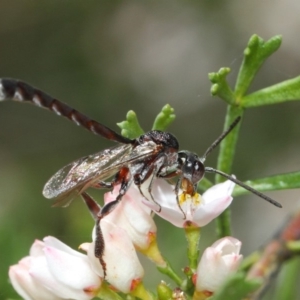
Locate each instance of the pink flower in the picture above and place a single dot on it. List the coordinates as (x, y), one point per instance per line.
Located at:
(123, 268)
(54, 271)
(216, 263)
(198, 210)
(134, 217)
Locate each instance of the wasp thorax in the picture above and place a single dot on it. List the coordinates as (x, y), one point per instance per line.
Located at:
(190, 166)
(160, 138)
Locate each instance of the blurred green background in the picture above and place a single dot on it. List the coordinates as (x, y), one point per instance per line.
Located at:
(107, 57)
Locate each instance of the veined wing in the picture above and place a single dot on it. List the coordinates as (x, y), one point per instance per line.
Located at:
(79, 175)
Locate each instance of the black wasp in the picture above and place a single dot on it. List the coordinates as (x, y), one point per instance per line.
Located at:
(153, 154)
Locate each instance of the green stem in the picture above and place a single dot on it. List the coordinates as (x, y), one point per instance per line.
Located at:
(225, 159)
(168, 270)
(193, 237)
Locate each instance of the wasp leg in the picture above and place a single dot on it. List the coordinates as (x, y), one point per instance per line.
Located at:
(94, 209)
(150, 169)
(103, 185)
(177, 187)
(168, 175)
(98, 213)
(92, 205)
(124, 178)
(99, 246)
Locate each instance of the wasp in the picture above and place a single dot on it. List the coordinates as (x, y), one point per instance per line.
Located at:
(132, 161)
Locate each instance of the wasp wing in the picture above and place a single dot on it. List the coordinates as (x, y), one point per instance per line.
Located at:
(74, 178)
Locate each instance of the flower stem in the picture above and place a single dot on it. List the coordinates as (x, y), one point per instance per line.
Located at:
(225, 159)
(168, 270)
(192, 234)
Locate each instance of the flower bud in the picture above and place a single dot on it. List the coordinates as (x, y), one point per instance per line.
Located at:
(217, 262)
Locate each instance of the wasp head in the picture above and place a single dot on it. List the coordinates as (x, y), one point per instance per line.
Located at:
(191, 166)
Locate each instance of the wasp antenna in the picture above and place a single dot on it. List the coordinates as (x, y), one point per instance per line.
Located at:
(245, 186)
(220, 138)
(11, 89)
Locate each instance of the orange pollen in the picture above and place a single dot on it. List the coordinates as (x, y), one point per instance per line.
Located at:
(91, 290)
(151, 236)
(207, 293)
(194, 279)
(135, 283)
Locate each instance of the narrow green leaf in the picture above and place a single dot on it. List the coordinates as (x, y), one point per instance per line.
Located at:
(276, 182)
(131, 127)
(281, 92)
(255, 54)
(287, 286)
(220, 85)
(293, 246)
(164, 118)
(236, 288)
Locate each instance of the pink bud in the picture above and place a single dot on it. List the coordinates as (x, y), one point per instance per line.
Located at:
(217, 262)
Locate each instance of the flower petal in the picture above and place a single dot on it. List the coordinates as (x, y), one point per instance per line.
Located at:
(196, 210)
(57, 244)
(122, 271)
(122, 264)
(218, 191)
(207, 212)
(132, 216)
(73, 272)
(25, 285)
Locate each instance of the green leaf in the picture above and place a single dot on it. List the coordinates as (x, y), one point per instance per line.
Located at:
(131, 127)
(220, 85)
(255, 54)
(276, 182)
(164, 118)
(281, 92)
(236, 288)
(287, 285)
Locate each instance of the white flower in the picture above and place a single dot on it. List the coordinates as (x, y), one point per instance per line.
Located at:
(54, 271)
(198, 210)
(123, 268)
(216, 263)
(26, 286)
(134, 217)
